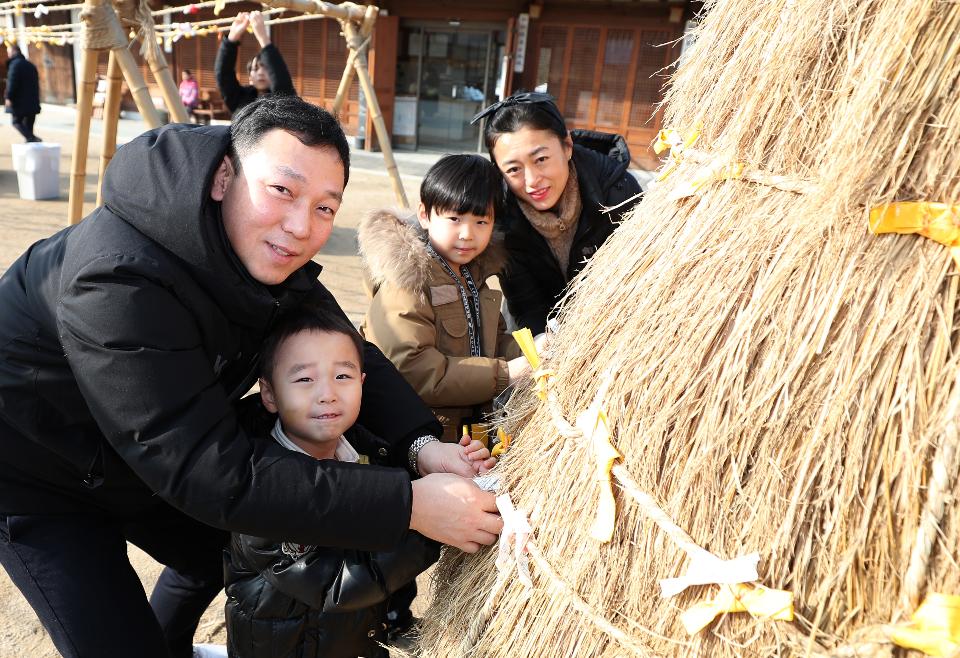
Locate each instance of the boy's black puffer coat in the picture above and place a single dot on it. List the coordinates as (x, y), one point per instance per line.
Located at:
(125, 342)
(290, 601)
(533, 282)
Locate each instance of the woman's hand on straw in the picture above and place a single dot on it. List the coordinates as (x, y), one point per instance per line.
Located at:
(454, 511)
(238, 27)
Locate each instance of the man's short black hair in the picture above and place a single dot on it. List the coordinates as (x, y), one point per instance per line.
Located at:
(309, 123)
(307, 317)
(462, 184)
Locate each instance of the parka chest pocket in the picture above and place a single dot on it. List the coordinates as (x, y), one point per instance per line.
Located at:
(451, 320)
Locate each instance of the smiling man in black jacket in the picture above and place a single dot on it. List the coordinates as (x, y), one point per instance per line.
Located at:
(126, 342)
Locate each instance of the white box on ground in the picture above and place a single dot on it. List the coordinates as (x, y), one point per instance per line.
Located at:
(38, 170)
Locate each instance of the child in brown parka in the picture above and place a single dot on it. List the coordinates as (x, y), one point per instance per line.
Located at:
(431, 311)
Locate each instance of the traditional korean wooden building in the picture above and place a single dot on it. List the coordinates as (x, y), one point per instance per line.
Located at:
(435, 63)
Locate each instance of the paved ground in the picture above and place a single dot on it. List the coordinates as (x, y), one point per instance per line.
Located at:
(24, 222)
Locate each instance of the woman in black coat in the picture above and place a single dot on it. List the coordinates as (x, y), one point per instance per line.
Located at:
(558, 184)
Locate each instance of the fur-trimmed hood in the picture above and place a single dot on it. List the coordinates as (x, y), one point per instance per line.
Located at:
(393, 250)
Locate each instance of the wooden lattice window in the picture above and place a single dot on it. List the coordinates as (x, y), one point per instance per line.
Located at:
(583, 60)
(617, 58)
(650, 77)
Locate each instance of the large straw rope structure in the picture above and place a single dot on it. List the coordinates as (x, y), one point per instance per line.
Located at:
(780, 380)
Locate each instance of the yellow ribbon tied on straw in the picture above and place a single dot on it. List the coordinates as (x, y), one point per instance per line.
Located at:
(524, 338)
(503, 444)
(761, 602)
(937, 221)
(934, 628)
(219, 6)
(670, 138)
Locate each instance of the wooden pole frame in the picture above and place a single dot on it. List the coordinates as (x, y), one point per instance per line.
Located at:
(121, 63)
(358, 23)
(111, 117)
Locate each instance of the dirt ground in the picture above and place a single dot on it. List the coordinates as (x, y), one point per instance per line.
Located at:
(24, 222)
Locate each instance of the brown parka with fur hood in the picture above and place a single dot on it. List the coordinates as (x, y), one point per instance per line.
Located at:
(416, 318)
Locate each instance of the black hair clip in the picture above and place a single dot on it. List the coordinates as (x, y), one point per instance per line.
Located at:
(549, 105)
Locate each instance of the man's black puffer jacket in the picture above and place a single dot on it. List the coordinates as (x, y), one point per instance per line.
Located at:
(532, 281)
(292, 601)
(125, 342)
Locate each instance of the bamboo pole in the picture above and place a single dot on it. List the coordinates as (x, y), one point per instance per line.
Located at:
(164, 78)
(346, 11)
(111, 116)
(373, 108)
(138, 87)
(366, 29)
(81, 134)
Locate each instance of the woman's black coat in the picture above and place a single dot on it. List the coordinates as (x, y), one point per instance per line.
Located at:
(127, 339)
(533, 282)
(236, 95)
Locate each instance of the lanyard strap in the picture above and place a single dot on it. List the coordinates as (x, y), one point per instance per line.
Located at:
(471, 310)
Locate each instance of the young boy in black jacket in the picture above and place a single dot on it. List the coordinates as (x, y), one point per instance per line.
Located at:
(286, 599)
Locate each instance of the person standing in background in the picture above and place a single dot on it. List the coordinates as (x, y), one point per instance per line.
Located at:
(22, 98)
(268, 72)
(189, 91)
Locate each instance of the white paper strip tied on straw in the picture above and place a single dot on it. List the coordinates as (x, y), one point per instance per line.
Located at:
(705, 567)
(516, 531)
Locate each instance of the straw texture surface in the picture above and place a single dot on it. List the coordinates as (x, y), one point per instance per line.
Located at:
(782, 379)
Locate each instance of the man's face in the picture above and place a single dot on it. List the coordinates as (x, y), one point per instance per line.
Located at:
(316, 389)
(278, 210)
(11, 52)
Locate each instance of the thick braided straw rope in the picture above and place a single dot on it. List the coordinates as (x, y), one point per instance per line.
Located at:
(943, 471)
(101, 28)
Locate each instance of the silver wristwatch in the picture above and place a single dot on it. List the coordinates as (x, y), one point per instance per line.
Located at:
(414, 451)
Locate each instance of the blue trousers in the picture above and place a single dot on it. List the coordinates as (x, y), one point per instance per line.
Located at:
(74, 571)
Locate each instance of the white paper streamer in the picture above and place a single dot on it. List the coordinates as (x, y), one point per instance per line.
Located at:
(707, 569)
(516, 530)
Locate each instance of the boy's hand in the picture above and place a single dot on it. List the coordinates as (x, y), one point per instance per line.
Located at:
(238, 27)
(477, 455)
(439, 457)
(518, 368)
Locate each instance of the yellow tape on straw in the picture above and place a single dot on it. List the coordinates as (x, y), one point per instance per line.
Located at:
(761, 602)
(937, 221)
(934, 628)
(524, 338)
(670, 138)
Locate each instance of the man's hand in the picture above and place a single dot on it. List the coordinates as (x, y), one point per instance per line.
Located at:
(454, 511)
(462, 458)
(238, 27)
(260, 29)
